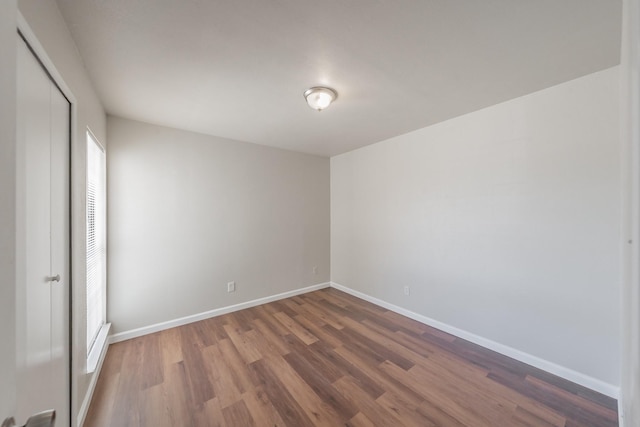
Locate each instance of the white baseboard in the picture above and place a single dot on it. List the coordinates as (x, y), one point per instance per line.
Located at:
(561, 371)
(84, 408)
(134, 333)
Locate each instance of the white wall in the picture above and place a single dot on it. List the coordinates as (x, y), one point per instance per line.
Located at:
(630, 88)
(188, 213)
(8, 37)
(51, 31)
(505, 223)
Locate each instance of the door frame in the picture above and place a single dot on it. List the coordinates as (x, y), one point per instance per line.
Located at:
(25, 32)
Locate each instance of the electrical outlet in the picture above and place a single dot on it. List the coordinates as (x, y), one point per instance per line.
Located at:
(315, 270)
(231, 287)
(407, 290)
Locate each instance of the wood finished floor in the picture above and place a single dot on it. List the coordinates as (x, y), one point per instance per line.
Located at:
(327, 358)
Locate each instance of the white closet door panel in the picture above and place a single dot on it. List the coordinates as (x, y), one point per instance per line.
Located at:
(34, 307)
(38, 380)
(60, 249)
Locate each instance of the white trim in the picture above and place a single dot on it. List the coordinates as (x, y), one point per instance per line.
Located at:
(134, 333)
(97, 348)
(629, 403)
(84, 408)
(561, 371)
(42, 56)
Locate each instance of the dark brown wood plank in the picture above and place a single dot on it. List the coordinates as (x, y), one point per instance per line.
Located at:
(321, 385)
(261, 408)
(287, 406)
(238, 415)
(195, 366)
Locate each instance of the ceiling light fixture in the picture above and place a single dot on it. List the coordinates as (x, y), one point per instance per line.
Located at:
(320, 97)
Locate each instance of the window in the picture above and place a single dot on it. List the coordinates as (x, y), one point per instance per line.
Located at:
(96, 244)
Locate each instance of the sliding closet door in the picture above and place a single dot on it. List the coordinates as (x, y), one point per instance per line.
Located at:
(60, 250)
(42, 295)
(33, 337)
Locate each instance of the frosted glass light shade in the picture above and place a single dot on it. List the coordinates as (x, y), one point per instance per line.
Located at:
(319, 98)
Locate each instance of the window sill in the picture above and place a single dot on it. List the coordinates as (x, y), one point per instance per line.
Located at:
(98, 348)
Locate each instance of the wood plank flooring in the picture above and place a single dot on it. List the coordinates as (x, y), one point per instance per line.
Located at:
(329, 359)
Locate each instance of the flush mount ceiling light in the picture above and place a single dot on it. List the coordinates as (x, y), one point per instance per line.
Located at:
(320, 97)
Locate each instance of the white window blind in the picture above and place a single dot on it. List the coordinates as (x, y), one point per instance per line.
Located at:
(96, 238)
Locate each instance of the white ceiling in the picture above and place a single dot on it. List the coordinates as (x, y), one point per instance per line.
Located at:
(238, 68)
